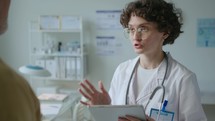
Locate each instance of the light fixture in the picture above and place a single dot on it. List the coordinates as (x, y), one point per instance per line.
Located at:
(34, 70)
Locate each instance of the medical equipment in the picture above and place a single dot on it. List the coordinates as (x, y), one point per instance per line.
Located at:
(155, 90)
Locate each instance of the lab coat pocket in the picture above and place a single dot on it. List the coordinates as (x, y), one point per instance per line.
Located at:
(171, 106)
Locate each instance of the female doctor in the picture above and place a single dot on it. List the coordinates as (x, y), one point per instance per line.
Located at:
(152, 79)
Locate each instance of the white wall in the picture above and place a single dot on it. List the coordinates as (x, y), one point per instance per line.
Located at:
(184, 49)
(23, 11)
(14, 44)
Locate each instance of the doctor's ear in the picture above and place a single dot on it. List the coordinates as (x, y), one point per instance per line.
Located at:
(165, 35)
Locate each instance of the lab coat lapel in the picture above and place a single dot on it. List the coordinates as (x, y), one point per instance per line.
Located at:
(133, 91)
(130, 95)
(153, 82)
(161, 71)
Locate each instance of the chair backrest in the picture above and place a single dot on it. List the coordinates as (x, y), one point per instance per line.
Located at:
(81, 113)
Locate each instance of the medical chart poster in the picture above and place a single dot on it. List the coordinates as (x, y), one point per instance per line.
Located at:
(108, 19)
(206, 32)
(105, 45)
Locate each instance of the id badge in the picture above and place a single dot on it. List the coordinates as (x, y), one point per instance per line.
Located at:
(164, 115)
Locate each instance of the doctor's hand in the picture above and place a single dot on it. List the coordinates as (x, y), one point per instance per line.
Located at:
(94, 96)
(132, 118)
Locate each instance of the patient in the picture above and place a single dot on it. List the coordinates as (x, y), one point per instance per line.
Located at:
(17, 100)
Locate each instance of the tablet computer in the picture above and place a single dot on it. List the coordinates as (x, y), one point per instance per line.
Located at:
(112, 112)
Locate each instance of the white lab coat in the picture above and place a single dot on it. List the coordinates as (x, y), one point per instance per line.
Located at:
(181, 90)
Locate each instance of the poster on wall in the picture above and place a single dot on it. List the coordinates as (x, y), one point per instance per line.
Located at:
(105, 45)
(206, 32)
(108, 19)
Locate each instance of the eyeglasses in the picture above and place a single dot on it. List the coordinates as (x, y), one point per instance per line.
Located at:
(131, 31)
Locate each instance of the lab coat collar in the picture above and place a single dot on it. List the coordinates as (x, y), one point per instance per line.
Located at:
(131, 66)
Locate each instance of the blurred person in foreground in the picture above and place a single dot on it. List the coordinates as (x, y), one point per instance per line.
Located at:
(18, 102)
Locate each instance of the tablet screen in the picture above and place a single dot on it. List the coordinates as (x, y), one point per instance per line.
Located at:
(112, 112)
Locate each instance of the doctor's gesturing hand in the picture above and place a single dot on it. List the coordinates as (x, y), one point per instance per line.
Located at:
(94, 96)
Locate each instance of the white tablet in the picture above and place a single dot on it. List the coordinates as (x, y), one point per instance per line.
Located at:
(112, 112)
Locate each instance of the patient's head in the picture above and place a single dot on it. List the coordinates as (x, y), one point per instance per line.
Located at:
(4, 7)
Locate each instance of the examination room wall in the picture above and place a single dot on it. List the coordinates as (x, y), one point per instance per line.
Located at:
(14, 45)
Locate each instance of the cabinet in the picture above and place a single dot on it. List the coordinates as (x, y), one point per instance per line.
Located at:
(61, 50)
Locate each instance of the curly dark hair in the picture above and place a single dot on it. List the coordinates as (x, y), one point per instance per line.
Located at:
(165, 15)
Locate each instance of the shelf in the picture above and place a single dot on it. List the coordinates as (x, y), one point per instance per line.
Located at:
(59, 31)
(61, 51)
(57, 54)
(56, 79)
